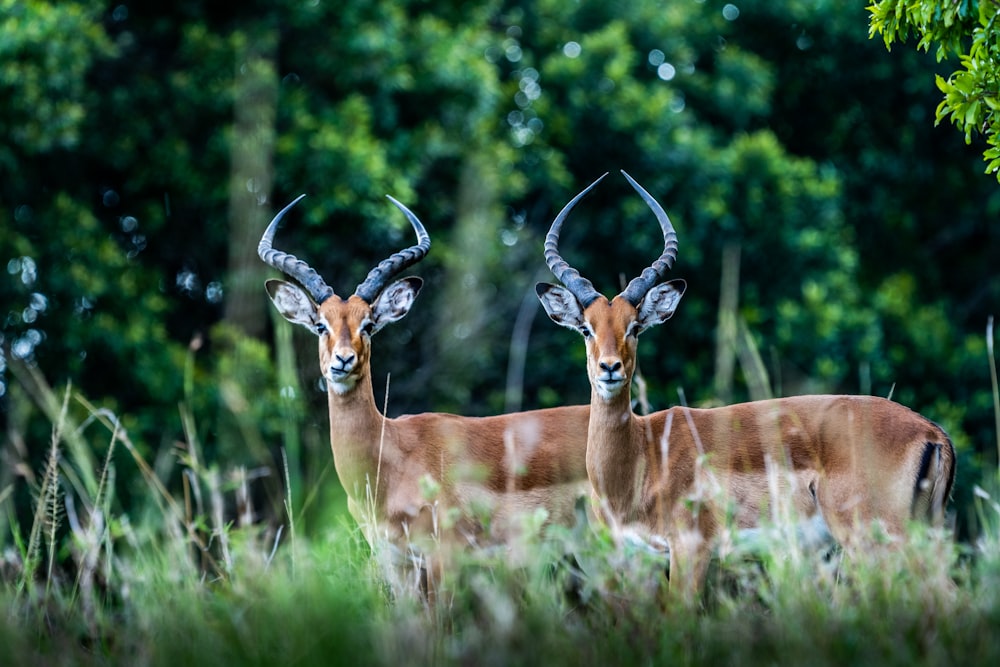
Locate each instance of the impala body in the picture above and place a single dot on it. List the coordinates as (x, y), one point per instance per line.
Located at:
(425, 479)
(681, 475)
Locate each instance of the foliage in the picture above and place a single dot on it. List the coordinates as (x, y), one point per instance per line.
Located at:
(969, 31)
(46, 53)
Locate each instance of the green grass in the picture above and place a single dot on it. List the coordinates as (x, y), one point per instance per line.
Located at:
(334, 610)
(186, 581)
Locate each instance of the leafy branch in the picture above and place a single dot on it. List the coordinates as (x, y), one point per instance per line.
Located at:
(966, 29)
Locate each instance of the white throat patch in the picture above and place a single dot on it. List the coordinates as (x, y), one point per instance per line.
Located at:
(342, 384)
(608, 390)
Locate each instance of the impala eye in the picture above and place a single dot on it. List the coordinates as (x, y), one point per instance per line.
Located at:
(321, 329)
(586, 331)
(633, 329)
(368, 327)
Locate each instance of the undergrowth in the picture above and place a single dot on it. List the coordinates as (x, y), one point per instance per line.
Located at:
(199, 577)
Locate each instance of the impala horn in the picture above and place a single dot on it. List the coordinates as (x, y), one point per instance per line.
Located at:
(314, 284)
(396, 263)
(290, 265)
(578, 286)
(651, 275)
(582, 288)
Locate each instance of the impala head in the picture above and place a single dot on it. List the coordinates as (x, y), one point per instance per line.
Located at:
(611, 327)
(344, 326)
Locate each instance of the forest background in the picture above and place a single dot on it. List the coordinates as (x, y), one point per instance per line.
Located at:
(834, 239)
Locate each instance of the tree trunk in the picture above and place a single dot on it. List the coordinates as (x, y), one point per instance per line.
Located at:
(466, 294)
(251, 176)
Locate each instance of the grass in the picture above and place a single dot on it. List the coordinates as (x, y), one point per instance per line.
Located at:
(193, 580)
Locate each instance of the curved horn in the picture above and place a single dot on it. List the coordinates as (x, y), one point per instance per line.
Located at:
(377, 278)
(653, 274)
(290, 265)
(579, 286)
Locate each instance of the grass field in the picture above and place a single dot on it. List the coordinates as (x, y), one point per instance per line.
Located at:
(190, 580)
(157, 606)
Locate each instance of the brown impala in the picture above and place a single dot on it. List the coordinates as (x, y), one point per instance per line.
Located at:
(423, 479)
(682, 474)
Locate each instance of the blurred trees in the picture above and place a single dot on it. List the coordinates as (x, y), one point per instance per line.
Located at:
(148, 146)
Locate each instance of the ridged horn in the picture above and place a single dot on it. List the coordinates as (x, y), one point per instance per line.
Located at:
(651, 275)
(377, 278)
(578, 286)
(290, 265)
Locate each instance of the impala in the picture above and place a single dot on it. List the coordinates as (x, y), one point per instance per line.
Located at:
(427, 478)
(683, 474)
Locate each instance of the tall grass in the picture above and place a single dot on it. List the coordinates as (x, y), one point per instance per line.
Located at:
(994, 383)
(197, 582)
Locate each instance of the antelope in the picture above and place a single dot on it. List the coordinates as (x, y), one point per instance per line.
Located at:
(420, 480)
(682, 475)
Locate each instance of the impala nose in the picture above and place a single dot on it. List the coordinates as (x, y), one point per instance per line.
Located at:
(342, 363)
(611, 367)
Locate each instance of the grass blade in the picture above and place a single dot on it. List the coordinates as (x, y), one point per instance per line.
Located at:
(993, 382)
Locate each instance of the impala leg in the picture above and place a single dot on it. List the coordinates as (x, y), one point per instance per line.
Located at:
(689, 557)
(432, 587)
(430, 582)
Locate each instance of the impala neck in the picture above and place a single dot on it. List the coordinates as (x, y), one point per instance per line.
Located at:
(355, 433)
(611, 450)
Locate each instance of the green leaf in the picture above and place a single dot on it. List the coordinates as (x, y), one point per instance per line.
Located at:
(972, 114)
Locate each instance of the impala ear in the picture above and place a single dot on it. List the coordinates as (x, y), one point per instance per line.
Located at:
(293, 303)
(660, 303)
(394, 302)
(560, 305)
